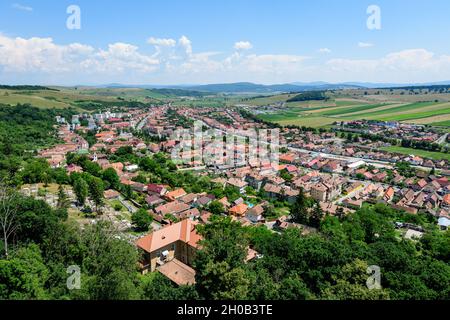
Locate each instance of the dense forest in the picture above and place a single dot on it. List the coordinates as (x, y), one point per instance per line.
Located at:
(27, 87)
(310, 95)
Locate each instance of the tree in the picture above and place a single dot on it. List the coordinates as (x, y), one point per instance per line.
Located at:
(96, 192)
(8, 215)
(220, 261)
(155, 286)
(340, 212)
(222, 282)
(141, 220)
(299, 211)
(216, 207)
(108, 265)
(23, 276)
(81, 189)
(316, 216)
(111, 177)
(350, 284)
(63, 200)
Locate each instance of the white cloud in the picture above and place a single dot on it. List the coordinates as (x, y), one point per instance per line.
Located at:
(38, 60)
(324, 50)
(186, 44)
(365, 44)
(43, 55)
(243, 45)
(162, 42)
(18, 6)
(416, 65)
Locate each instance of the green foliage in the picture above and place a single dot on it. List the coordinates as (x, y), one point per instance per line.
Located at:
(81, 190)
(24, 275)
(155, 286)
(141, 220)
(300, 208)
(111, 178)
(216, 207)
(310, 95)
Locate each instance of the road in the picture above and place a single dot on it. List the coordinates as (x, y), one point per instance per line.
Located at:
(442, 140)
(142, 123)
(375, 163)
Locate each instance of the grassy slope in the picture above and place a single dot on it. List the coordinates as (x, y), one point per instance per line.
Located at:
(420, 153)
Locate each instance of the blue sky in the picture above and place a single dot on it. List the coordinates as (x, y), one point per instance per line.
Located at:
(278, 41)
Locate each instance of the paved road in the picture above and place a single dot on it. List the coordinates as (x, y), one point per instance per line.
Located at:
(375, 163)
(442, 140)
(142, 123)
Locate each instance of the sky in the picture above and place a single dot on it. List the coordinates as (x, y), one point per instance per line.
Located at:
(216, 41)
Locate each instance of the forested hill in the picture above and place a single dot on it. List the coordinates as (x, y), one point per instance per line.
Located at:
(26, 87)
(25, 128)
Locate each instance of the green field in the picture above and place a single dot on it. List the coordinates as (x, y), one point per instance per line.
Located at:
(417, 152)
(442, 123)
(341, 110)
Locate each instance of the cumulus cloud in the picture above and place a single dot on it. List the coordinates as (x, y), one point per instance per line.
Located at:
(243, 45)
(186, 44)
(162, 42)
(324, 50)
(176, 61)
(418, 65)
(365, 44)
(43, 55)
(18, 6)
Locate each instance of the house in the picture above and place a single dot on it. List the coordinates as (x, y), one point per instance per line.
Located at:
(175, 194)
(319, 192)
(224, 202)
(444, 220)
(380, 177)
(203, 201)
(255, 181)
(238, 184)
(74, 168)
(137, 186)
(272, 191)
(287, 158)
(132, 168)
(332, 166)
(255, 214)
(290, 195)
(446, 201)
(174, 208)
(238, 210)
(156, 189)
(153, 200)
(111, 194)
(388, 195)
(174, 245)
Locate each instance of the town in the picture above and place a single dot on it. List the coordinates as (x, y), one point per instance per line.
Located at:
(340, 175)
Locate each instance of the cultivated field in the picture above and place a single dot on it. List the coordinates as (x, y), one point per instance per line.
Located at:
(345, 106)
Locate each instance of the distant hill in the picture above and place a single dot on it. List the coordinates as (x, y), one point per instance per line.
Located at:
(26, 87)
(254, 88)
(248, 87)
